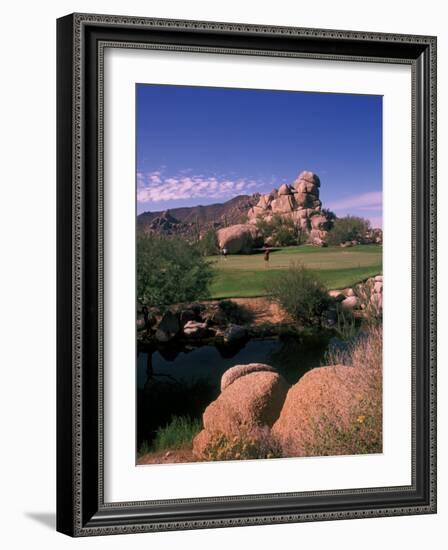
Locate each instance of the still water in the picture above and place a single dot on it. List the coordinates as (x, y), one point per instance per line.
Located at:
(185, 381)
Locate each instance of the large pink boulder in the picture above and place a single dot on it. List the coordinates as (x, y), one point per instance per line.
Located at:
(248, 402)
(238, 238)
(321, 392)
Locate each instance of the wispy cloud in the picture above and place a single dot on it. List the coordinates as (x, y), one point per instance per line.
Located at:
(366, 201)
(155, 187)
(368, 205)
(376, 221)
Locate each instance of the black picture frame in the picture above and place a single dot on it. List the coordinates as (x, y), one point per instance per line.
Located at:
(81, 510)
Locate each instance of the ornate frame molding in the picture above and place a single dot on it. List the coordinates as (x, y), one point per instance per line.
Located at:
(82, 510)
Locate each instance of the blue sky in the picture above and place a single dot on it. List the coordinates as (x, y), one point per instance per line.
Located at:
(205, 145)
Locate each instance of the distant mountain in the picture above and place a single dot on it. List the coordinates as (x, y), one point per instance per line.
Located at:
(188, 219)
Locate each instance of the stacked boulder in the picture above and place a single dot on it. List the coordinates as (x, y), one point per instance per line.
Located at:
(251, 397)
(299, 202)
(256, 396)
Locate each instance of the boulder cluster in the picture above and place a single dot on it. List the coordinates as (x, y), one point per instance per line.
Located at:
(193, 323)
(212, 321)
(366, 295)
(256, 396)
(298, 202)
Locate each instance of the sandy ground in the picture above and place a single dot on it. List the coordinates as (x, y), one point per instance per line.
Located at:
(263, 310)
(167, 457)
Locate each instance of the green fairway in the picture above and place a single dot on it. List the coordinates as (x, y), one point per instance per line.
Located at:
(247, 275)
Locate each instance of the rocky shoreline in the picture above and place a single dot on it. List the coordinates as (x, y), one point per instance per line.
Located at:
(231, 322)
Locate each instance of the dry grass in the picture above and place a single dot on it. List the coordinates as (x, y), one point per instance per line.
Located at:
(243, 444)
(358, 429)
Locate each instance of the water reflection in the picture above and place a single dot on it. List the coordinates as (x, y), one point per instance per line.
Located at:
(183, 381)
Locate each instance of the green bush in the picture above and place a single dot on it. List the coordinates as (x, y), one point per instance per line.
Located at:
(349, 228)
(178, 434)
(264, 227)
(301, 293)
(170, 271)
(285, 236)
(208, 243)
(281, 229)
(346, 323)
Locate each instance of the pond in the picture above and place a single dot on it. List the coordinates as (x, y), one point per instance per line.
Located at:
(184, 381)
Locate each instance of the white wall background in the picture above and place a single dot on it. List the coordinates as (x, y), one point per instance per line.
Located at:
(27, 274)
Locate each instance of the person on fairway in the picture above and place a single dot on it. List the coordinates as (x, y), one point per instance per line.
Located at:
(266, 257)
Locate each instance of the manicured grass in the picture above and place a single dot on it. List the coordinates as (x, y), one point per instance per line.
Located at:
(247, 275)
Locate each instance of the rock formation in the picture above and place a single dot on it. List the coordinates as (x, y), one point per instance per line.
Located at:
(321, 392)
(238, 371)
(238, 238)
(300, 203)
(251, 398)
(235, 221)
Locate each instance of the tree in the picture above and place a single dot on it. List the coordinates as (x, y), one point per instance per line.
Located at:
(264, 227)
(208, 243)
(282, 230)
(330, 215)
(349, 228)
(170, 271)
(301, 293)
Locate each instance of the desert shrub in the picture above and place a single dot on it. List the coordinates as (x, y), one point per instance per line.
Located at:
(264, 227)
(234, 312)
(144, 449)
(170, 271)
(282, 231)
(245, 444)
(359, 429)
(301, 293)
(346, 325)
(178, 434)
(208, 243)
(349, 228)
(285, 236)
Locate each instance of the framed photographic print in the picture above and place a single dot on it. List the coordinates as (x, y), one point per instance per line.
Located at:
(246, 274)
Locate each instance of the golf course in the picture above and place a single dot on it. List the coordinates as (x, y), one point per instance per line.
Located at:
(241, 276)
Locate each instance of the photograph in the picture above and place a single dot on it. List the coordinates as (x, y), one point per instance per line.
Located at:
(259, 274)
(246, 273)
